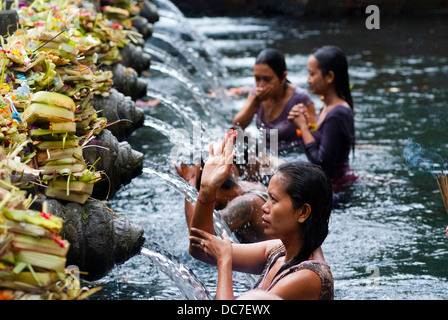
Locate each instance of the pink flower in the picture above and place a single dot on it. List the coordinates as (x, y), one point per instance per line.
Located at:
(45, 215)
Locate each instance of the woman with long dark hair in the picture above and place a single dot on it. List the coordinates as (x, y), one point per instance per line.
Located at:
(272, 100)
(295, 219)
(329, 146)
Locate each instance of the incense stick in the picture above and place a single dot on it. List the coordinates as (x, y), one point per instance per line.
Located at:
(50, 40)
(442, 182)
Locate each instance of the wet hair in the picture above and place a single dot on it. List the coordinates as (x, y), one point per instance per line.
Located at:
(274, 59)
(230, 183)
(331, 58)
(307, 183)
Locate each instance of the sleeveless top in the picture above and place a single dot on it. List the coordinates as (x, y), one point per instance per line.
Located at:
(321, 268)
(287, 131)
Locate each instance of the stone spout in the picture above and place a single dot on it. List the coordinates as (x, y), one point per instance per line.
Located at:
(98, 238)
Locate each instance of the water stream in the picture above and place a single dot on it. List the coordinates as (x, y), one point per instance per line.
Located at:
(188, 283)
(387, 234)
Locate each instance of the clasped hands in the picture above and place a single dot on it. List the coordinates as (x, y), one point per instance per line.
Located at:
(299, 116)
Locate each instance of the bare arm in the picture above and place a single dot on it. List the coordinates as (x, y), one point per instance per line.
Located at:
(191, 175)
(244, 117)
(311, 113)
(229, 256)
(215, 172)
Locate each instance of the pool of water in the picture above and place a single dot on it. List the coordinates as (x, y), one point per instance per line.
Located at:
(387, 235)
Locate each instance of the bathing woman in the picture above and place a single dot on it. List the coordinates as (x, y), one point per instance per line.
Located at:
(273, 99)
(295, 218)
(329, 146)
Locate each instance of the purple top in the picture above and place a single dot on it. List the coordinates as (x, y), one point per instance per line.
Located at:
(287, 136)
(333, 141)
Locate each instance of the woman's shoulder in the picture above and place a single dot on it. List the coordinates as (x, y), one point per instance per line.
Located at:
(301, 284)
(300, 95)
(312, 276)
(340, 111)
(272, 248)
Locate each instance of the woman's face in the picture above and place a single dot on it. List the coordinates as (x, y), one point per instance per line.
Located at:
(265, 77)
(318, 83)
(279, 217)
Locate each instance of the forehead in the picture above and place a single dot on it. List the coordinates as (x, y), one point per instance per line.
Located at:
(312, 63)
(277, 185)
(263, 69)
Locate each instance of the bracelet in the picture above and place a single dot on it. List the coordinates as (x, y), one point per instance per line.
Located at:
(206, 203)
(311, 127)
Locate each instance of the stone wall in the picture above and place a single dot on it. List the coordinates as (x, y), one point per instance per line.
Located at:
(322, 8)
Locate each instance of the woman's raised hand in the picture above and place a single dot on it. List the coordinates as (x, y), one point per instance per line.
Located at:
(217, 168)
(262, 93)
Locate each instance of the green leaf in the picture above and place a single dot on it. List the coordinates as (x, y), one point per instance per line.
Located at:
(34, 274)
(19, 267)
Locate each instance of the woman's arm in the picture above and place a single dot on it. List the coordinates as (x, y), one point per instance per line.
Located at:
(216, 170)
(244, 117)
(325, 152)
(191, 175)
(311, 113)
(224, 288)
(221, 249)
(230, 256)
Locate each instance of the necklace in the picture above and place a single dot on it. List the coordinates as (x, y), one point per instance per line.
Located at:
(270, 110)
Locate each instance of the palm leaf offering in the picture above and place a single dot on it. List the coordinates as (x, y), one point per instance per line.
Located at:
(50, 68)
(33, 254)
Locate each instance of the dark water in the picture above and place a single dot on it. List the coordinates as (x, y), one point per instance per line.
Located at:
(387, 235)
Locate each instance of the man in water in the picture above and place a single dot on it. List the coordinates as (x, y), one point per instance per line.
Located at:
(238, 202)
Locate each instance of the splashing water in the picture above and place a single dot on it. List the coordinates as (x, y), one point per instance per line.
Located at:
(173, 134)
(180, 109)
(186, 281)
(169, 10)
(191, 195)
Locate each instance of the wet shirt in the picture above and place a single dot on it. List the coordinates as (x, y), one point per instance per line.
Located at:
(333, 141)
(287, 135)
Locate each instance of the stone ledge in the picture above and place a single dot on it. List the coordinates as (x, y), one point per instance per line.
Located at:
(321, 8)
